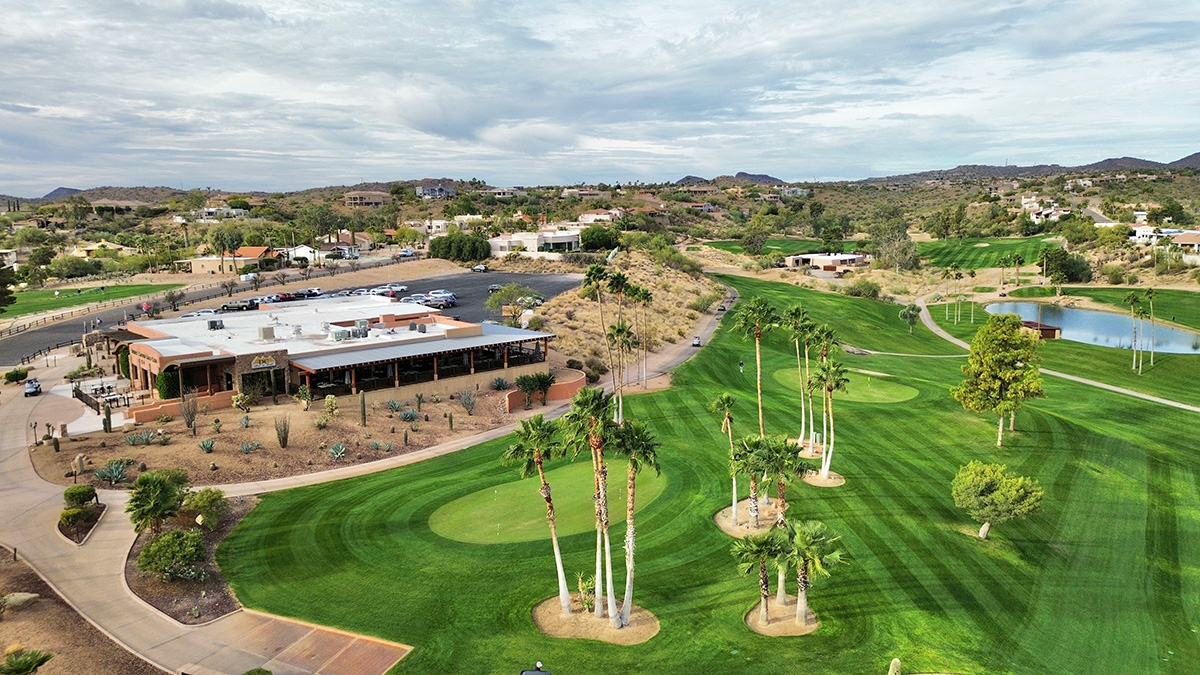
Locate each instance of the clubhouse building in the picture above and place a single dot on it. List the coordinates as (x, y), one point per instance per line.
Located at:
(338, 346)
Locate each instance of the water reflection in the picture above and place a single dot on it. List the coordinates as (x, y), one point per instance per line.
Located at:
(1107, 329)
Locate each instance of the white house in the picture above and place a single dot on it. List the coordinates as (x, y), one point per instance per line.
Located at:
(542, 241)
(601, 215)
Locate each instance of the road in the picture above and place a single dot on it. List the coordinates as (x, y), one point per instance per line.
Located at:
(471, 290)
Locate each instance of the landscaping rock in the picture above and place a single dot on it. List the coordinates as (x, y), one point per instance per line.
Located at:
(212, 466)
(19, 600)
(142, 466)
(77, 463)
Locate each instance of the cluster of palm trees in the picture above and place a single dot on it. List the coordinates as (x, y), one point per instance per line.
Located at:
(624, 343)
(757, 317)
(1013, 260)
(1138, 314)
(806, 546)
(588, 427)
(955, 274)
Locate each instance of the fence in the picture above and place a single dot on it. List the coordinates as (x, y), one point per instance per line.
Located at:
(46, 350)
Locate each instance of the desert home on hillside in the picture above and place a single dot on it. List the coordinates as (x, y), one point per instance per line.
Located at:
(338, 346)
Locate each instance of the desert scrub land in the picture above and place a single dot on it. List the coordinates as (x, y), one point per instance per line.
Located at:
(672, 312)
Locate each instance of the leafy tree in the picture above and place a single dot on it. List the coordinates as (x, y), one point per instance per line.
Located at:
(831, 239)
(597, 238)
(753, 552)
(1002, 369)
(155, 497)
(1073, 267)
(989, 495)
(509, 300)
(534, 442)
(6, 294)
(753, 241)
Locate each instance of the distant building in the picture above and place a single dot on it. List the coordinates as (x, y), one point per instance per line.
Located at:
(585, 193)
(503, 192)
(436, 192)
(366, 198)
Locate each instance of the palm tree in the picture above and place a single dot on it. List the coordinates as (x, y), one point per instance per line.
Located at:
(534, 443)
(1141, 315)
(587, 424)
(833, 378)
(1003, 261)
(748, 460)
(754, 551)
(622, 337)
(780, 461)
(813, 553)
(1131, 299)
(723, 405)
(637, 444)
(643, 296)
(1149, 295)
(826, 341)
(753, 319)
(593, 285)
(618, 284)
(910, 314)
(155, 497)
(797, 321)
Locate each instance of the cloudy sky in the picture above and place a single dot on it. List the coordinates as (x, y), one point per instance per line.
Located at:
(289, 94)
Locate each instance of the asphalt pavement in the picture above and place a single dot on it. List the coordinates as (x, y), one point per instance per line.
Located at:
(471, 290)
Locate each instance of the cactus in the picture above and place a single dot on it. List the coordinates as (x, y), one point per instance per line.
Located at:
(406, 437)
(420, 400)
(54, 442)
(451, 418)
(107, 418)
(245, 421)
(362, 408)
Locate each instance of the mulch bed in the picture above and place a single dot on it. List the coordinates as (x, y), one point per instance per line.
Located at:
(190, 602)
(79, 531)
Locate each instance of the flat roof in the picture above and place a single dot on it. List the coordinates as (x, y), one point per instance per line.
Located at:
(493, 336)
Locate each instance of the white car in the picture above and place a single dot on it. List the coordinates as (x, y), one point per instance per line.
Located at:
(378, 290)
(361, 291)
(406, 253)
(399, 288)
(479, 268)
(199, 313)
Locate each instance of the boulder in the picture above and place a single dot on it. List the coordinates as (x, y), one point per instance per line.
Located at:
(19, 600)
(212, 466)
(77, 463)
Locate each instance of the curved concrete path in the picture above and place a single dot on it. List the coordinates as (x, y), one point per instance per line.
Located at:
(927, 319)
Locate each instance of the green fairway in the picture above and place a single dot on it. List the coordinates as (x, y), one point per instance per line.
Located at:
(1170, 305)
(514, 511)
(862, 388)
(1105, 578)
(785, 246)
(1172, 376)
(31, 302)
(974, 254)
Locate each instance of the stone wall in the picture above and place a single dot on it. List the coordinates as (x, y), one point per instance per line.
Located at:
(567, 383)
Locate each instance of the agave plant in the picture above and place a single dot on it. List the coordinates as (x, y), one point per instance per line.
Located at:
(337, 451)
(207, 445)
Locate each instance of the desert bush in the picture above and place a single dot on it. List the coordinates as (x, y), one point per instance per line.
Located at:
(208, 502)
(216, 426)
(163, 439)
(144, 437)
(331, 405)
(1114, 274)
(575, 364)
(241, 402)
(304, 396)
(187, 409)
(78, 495)
(321, 422)
(703, 303)
(862, 288)
(164, 419)
(283, 427)
(16, 375)
(245, 421)
(72, 516)
(468, 398)
(207, 445)
(596, 365)
(173, 555)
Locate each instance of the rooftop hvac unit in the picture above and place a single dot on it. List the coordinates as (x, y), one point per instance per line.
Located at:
(266, 333)
(361, 323)
(412, 325)
(359, 332)
(296, 330)
(215, 324)
(339, 335)
(421, 328)
(324, 326)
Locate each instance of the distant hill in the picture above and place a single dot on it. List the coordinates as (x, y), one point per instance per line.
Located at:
(985, 171)
(60, 193)
(1122, 164)
(691, 180)
(740, 178)
(1192, 161)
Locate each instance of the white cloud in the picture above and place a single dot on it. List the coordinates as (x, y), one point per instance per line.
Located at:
(292, 93)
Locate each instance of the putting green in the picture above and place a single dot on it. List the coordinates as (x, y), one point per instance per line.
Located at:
(515, 512)
(862, 388)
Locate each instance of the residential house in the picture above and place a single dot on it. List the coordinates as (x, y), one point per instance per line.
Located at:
(555, 241)
(601, 215)
(585, 193)
(504, 192)
(788, 191)
(213, 264)
(8, 257)
(89, 250)
(366, 198)
(436, 192)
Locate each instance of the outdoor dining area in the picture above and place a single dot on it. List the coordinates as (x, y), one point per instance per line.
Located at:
(96, 393)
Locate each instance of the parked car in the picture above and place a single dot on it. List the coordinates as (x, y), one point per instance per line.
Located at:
(696, 341)
(287, 297)
(239, 305)
(479, 268)
(313, 292)
(438, 303)
(419, 298)
(530, 300)
(494, 287)
(342, 294)
(32, 387)
(406, 253)
(399, 288)
(443, 294)
(378, 290)
(199, 313)
(409, 299)
(361, 291)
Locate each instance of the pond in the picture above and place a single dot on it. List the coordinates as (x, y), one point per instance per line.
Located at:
(1107, 329)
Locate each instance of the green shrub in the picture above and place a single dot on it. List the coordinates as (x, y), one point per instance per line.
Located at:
(163, 439)
(862, 288)
(704, 302)
(258, 671)
(241, 401)
(322, 421)
(167, 385)
(1114, 274)
(207, 445)
(208, 502)
(78, 495)
(500, 384)
(144, 437)
(72, 516)
(216, 426)
(173, 555)
(331, 405)
(123, 361)
(164, 419)
(575, 364)
(16, 375)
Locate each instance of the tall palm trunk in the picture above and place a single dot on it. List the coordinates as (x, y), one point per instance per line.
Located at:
(1151, 332)
(762, 431)
(607, 345)
(631, 490)
(1133, 322)
(802, 592)
(732, 470)
(1141, 345)
(827, 460)
(564, 595)
(781, 586)
(753, 500)
(614, 619)
(812, 428)
(764, 590)
(780, 491)
(824, 425)
(800, 375)
(598, 607)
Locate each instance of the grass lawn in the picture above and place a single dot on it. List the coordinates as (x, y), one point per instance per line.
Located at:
(974, 254)
(1107, 573)
(1173, 375)
(1181, 306)
(31, 302)
(777, 245)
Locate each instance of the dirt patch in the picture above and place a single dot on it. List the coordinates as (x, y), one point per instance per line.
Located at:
(835, 479)
(190, 602)
(79, 532)
(549, 619)
(810, 451)
(51, 625)
(781, 620)
(767, 517)
(307, 450)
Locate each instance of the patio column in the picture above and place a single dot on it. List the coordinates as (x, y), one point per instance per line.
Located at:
(471, 355)
(208, 379)
(435, 369)
(354, 380)
(505, 348)
(396, 373)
